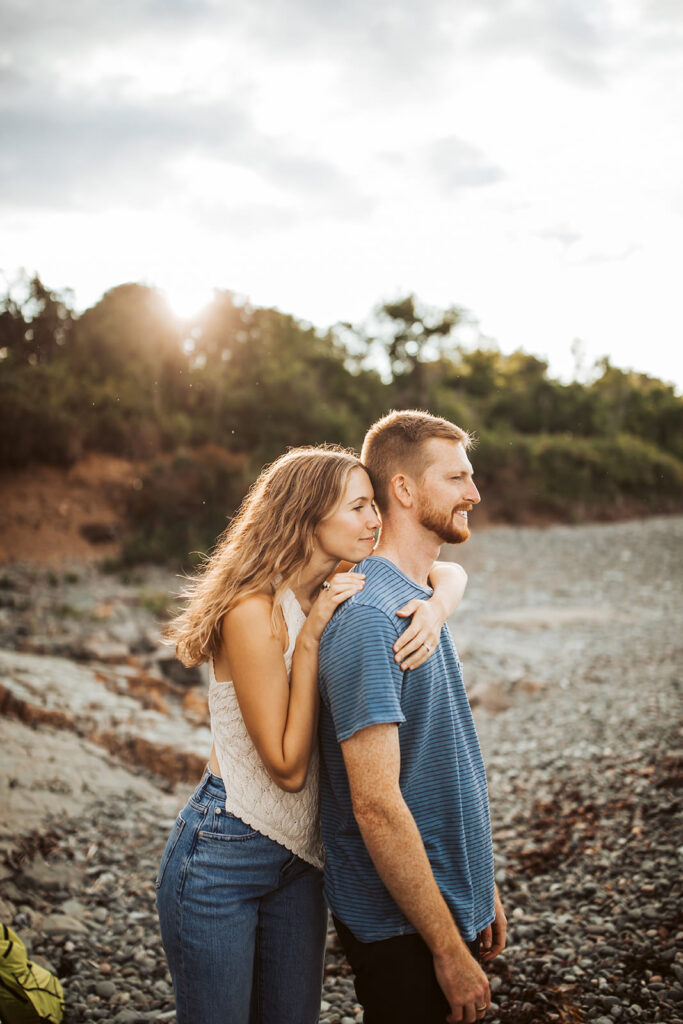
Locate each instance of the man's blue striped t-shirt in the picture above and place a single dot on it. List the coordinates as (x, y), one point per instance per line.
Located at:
(442, 775)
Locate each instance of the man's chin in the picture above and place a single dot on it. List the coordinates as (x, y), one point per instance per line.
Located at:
(457, 535)
(454, 532)
(450, 528)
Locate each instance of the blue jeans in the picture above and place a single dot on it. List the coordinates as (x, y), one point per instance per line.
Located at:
(243, 920)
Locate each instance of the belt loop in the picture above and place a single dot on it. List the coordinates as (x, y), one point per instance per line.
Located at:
(204, 782)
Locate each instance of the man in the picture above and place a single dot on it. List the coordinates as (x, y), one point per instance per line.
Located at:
(409, 862)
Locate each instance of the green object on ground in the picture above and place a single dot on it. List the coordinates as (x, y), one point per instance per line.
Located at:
(29, 993)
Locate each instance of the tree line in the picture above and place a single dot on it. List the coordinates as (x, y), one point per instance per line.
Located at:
(206, 402)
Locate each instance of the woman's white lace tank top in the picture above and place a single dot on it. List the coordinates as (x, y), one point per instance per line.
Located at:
(291, 819)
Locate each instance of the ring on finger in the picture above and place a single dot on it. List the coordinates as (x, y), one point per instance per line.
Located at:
(326, 585)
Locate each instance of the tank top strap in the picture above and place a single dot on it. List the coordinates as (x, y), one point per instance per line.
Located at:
(294, 617)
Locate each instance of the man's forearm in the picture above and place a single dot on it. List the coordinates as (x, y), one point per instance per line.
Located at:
(395, 845)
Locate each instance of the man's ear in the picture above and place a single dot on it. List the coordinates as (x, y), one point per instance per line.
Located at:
(403, 489)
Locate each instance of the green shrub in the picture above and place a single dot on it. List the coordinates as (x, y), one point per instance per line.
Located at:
(181, 504)
(574, 478)
(35, 422)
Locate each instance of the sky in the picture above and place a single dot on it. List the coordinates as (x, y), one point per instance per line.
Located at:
(519, 158)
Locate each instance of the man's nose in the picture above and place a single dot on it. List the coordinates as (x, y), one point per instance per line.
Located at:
(473, 495)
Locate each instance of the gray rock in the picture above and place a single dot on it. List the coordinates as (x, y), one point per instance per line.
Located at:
(7, 911)
(42, 961)
(50, 876)
(105, 989)
(63, 924)
(75, 908)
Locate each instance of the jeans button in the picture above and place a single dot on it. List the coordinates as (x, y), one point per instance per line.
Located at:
(218, 810)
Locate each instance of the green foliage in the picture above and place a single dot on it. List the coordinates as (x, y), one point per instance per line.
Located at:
(182, 502)
(206, 402)
(573, 478)
(36, 424)
(156, 602)
(411, 335)
(35, 327)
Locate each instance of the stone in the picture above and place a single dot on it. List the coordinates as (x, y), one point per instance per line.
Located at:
(50, 876)
(63, 924)
(179, 673)
(105, 989)
(7, 911)
(42, 961)
(196, 705)
(95, 648)
(99, 532)
(75, 908)
(491, 696)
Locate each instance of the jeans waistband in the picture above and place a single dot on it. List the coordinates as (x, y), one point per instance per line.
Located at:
(210, 786)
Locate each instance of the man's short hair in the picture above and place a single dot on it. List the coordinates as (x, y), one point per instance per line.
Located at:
(395, 444)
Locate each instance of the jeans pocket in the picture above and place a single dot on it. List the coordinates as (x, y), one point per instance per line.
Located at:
(170, 847)
(222, 826)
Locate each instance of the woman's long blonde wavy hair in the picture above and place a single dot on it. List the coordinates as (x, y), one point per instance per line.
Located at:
(265, 546)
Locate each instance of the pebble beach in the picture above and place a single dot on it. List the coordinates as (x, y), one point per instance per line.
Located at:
(571, 640)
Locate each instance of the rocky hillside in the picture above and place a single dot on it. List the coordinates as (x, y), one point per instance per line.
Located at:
(52, 516)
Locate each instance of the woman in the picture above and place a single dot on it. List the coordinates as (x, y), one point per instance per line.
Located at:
(239, 889)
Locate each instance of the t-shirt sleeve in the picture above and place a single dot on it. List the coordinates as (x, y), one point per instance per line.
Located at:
(359, 680)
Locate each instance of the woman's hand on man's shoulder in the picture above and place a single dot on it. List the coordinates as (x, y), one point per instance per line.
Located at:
(342, 586)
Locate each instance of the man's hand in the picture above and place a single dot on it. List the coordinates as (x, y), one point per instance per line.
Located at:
(464, 985)
(493, 937)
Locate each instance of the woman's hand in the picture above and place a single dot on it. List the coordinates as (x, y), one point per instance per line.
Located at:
(420, 638)
(342, 586)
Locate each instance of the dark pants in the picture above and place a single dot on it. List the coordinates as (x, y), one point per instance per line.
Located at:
(395, 980)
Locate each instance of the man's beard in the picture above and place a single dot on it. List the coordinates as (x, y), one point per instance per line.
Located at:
(448, 527)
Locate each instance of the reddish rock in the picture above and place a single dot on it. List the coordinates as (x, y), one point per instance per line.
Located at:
(490, 696)
(16, 707)
(95, 648)
(196, 706)
(173, 764)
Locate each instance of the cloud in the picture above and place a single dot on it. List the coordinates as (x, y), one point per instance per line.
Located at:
(393, 38)
(458, 165)
(76, 136)
(246, 220)
(561, 233)
(72, 139)
(104, 150)
(60, 151)
(31, 25)
(615, 255)
(586, 41)
(570, 37)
